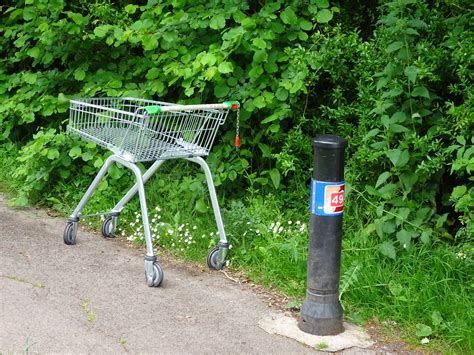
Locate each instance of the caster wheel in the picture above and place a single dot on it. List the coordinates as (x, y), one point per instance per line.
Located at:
(69, 234)
(108, 227)
(157, 278)
(212, 259)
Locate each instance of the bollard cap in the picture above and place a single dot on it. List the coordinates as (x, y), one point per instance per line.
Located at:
(328, 141)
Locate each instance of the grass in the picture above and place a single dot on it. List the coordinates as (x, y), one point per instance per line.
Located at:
(429, 287)
(321, 346)
(90, 315)
(24, 280)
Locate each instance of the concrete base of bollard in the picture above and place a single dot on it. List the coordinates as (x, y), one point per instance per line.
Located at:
(353, 337)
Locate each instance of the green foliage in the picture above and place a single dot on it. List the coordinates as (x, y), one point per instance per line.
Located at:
(414, 138)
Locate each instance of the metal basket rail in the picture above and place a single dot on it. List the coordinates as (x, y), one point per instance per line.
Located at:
(144, 130)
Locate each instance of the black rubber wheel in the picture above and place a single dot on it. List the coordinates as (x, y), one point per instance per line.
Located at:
(158, 276)
(212, 259)
(107, 228)
(69, 234)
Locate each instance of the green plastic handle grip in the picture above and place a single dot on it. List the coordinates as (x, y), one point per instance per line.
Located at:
(232, 105)
(151, 110)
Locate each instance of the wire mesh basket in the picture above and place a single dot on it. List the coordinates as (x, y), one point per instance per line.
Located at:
(145, 130)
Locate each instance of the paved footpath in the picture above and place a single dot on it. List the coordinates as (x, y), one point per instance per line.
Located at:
(92, 298)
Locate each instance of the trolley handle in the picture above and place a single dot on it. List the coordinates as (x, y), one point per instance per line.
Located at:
(227, 105)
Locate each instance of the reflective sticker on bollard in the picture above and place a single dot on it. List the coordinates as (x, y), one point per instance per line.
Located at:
(327, 198)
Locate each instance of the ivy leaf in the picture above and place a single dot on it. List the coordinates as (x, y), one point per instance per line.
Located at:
(275, 176)
(387, 249)
(225, 67)
(217, 22)
(420, 91)
(288, 16)
(324, 16)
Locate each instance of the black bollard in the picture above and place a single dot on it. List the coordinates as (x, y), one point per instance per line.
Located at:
(321, 312)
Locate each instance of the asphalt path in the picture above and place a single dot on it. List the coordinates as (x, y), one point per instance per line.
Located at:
(92, 298)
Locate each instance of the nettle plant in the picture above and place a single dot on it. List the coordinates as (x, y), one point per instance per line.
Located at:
(415, 138)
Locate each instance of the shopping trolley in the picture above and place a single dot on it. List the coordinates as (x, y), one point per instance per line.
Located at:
(138, 130)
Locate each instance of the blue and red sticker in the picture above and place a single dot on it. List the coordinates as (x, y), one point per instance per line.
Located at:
(327, 198)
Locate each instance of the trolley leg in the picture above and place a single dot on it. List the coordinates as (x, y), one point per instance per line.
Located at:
(74, 217)
(217, 255)
(128, 196)
(153, 271)
(70, 231)
(143, 206)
